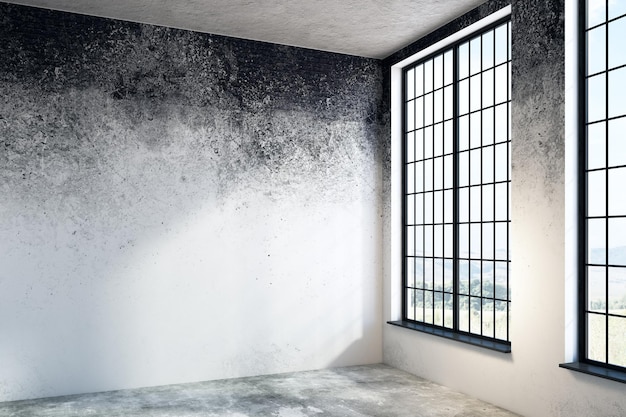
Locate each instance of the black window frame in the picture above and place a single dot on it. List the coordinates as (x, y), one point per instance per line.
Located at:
(584, 363)
(455, 332)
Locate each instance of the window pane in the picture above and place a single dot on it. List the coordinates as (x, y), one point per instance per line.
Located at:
(464, 133)
(428, 109)
(488, 51)
(501, 84)
(475, 241)
(464, 97)
(617, 142)
(488, 241)
(428, 240)
(617, 35)
(501, 241)
(448, 205)
(502, 167)
(410, 241)
(596, 44)
(448, 176)
(596, 98)
(428, 142)
(448, 103)
(464, 241)
(428, 208)
(448, 241)
(463, 63)
(617, 341)
(419, 209)
(596, 145)
(464, 205)
(438, 106)
(410, 115)
(448, 135)
(438, 139)
(410, 209)
(475, 130)
(428, 76)
(475, 56)
(488, 164)
(438, 173)
(616, 9)
(438, 203)
(428, 175)
(475, 93)
(617, 241)
(488, 126)
(596, 241)
(596, 193)
(501, 44)
(419, 241)
(475, 204)
(501, 202)
(410, 178)
(502, 126)
(617, 87)
(419, 112)
(596, 337)
(448, 71)
(617, 291)
(438, 242)
(596, 288)
(475, 166)
(438, 69)
(617, 197)
(464, 167)
(419, 80)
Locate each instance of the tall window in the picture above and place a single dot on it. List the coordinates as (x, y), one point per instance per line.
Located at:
(603, 178)
(457, 178)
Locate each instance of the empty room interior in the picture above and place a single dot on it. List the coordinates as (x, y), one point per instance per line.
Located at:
(295, 208)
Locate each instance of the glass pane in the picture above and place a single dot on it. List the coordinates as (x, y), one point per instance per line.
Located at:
(501, 84)
(410, 178)
(410, 147)
(617, 87)
(464, 313)
(438, 307)
(438, 139)
(448, 103)
(428, 142)
(448, 282)
(501, 280)
(448, 242)
(617, 341)
(419, 209)
(448, 71)
(438, 202)
(463, 60)
(419, 241)
(428, 307)
(419, 144)
(488, 202)
(428, 76)
(596, 193)
(428, 240)
(438, 106)
(463, 133)
(464, 204)
(596, 98)
(410, 84)
(438, 173)
(502, 241)
(448, 137)
(475, 130)
(488, 164)
(501, 320)
(448, 205)
(596, 241)
(488, 318)
(501, 162)
(488, 93)
(616, 8)
(488, 279)
(419, 112)
(475, 204)
(464, 97)
(475, 92)
(438, 71)
(463, 168)
(448, 172)
(488, 241)
(419, 177)
(419, 305)
(617, 241)
(596, 337)
(475, 166)
(410, 209)
(419, 80)
(475, 244)
(617, 291)
(438, 243)
(464, 241)
(501, 44)
(448, 319)
(596, 145)
(501, 202)
(428, 274)
(428, 109)
(596, 12)
(475, 56)
(410, 304)
(502, 123)
(596, 288)
(617, 197)
(475, 315)
(488, 40)
(428, 208)
(410, 116)
(617, 35)
(428, 175)
(596, 50)
(617, 142)
(488, 125)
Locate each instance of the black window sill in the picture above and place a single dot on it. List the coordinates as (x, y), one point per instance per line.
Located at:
(595, 370)
(497, 345)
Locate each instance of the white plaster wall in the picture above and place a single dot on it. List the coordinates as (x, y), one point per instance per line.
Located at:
(527, 381)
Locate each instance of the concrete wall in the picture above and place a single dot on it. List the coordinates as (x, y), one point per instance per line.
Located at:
(178, 206)
(528, 381)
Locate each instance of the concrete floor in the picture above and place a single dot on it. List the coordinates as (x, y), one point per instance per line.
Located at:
(376, 390)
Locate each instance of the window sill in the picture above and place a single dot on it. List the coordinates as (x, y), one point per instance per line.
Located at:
(498, 346)
(595, 370)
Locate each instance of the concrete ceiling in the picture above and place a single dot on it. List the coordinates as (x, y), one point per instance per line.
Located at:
(370, 28)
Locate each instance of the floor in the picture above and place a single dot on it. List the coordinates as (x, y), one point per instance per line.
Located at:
(375, 390)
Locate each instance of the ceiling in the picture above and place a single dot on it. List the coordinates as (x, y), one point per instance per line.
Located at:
(370, 28)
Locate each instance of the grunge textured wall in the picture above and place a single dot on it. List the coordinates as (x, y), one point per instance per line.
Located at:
(179, 206)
